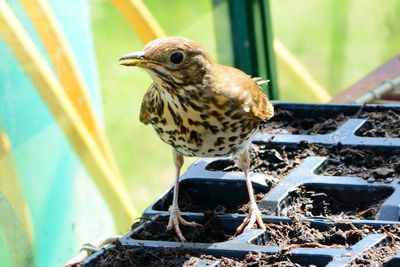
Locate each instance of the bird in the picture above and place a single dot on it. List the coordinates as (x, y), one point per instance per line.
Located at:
(201, 109)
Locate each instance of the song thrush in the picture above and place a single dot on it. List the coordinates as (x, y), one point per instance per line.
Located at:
(200, 108)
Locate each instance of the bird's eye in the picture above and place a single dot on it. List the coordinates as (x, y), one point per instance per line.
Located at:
(176, 57)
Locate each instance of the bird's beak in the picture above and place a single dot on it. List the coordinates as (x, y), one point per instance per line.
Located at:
(133, 59)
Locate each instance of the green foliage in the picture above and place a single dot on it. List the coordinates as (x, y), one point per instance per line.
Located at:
(338, 41)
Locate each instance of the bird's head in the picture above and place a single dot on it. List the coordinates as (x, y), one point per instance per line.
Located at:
(174, 59)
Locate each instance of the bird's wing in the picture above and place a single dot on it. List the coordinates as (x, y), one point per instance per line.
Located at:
(147, 107)
(250, 96)
(259, 80)
(260, 107)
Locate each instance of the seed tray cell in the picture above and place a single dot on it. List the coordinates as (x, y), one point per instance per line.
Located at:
(199, 195)
(352, 129)
(350, 191)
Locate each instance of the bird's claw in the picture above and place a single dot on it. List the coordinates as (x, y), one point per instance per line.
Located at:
(254, 216)
(175, 218)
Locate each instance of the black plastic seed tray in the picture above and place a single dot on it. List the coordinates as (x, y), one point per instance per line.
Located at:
(347, 131)
(358, 201)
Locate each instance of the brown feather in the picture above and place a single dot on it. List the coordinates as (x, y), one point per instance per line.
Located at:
(147, 105)
(261, 107)
(247, 92)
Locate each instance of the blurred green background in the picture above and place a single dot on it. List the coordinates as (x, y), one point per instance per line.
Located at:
(337, 41)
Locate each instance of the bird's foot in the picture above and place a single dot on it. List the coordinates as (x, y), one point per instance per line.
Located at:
(254, 216)
(175, 218)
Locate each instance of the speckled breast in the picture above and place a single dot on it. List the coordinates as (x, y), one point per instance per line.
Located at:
(204, 131)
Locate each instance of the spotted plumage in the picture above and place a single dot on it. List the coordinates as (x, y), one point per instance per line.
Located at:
(199, 107)
(226, 113)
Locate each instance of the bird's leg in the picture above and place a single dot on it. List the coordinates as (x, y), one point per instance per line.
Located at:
(254, 215)
(174, 213)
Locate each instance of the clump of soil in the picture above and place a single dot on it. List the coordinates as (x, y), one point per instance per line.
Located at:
(341, 161)
(378, 255)
(380, 123)
(137, 257)
(256, 259)
(211, 231)
(365, 163)
(187, 204)
(274, 162)
(302, 234)
(312, 202)
(287, 122)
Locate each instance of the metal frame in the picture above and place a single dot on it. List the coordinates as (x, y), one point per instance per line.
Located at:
(252, 40)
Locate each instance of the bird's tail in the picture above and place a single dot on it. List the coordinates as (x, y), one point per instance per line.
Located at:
(260, 80)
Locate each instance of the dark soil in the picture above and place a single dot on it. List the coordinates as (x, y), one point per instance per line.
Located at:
(287, 122)
(120, 256)
(378, 255)
(187, 204)
(365, 163)
(380, 123)
(277, 162)
(211, 231)
(257, 259)
(316, 202)
(303, 234)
